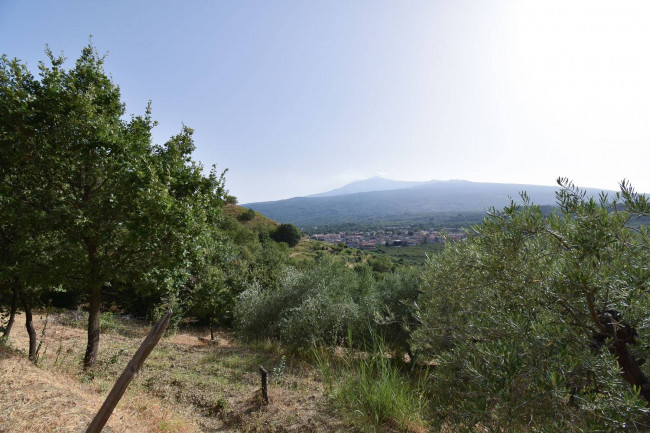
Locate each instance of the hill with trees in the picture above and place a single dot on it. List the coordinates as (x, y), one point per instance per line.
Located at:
(436, 203)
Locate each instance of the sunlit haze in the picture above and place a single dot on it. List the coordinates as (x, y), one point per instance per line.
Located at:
(297, 97)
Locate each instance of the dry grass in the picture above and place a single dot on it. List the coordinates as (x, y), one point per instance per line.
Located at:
(186, 385)
(34, 400)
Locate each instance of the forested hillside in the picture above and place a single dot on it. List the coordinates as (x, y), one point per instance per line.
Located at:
(435, 203)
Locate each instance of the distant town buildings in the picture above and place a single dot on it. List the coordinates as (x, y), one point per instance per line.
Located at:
(391, 238)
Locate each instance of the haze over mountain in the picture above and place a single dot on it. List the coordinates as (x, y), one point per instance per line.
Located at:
(416, 199)
(368, 185)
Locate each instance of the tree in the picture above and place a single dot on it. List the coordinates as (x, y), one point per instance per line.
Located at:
(287, 233)
(533, 318)
(247, 215)
(115, 209)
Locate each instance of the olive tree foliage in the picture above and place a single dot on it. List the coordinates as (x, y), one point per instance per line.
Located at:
(317, 305)
(105, 206)
(533, 320)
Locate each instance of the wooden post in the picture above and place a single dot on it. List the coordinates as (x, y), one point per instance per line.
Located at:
(265, 385)
(131, 370)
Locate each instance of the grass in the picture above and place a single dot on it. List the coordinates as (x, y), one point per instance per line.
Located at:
(186, 385)
(373, 390)
(415, 255)
(259, 221)
(33, 399)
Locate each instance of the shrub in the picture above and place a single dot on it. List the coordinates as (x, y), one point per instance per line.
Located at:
(529, 320)
(315, 305)
(248, 215)
(287, 233)
(398, 293)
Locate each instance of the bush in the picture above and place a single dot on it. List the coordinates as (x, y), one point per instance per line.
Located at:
(248, 215)
(316, 305)
(529, 320)
(287, 233)
(398, 293)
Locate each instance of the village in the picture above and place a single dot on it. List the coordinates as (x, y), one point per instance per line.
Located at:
(392, 237)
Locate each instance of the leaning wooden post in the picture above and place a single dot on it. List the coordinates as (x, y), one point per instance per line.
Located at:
(265, 385)
(131, 370)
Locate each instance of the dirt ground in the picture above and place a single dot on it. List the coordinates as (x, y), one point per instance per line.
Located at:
(187, 385)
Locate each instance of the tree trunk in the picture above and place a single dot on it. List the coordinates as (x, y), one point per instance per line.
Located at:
(29, 324)
(631, 369)
(92, 346)
(93, 328)
(211, 330)
(14, 308)
(621, 335)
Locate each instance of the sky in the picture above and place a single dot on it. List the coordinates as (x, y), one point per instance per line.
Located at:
(300, 97)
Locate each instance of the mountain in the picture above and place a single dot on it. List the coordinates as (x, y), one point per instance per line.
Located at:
(368, 185)
(449, 198)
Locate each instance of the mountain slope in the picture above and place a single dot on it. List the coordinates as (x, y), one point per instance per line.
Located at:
(368, 185)
(435, 197)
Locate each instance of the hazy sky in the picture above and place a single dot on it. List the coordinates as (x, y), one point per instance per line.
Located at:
(299, 97)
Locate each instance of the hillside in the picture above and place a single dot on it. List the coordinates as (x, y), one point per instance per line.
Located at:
(240, 214)
(368, 185)
(185, 386)
(443, 199)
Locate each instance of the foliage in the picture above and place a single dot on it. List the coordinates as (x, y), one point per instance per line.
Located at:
(413, 255)
(287, 233)
(398, 293)
(373, 391)
(381, 264)
(246, 216)
(313, 305)
(102, 205)
(520, 321)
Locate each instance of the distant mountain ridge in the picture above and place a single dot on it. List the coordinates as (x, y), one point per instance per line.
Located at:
(368, 185)
(426, 198)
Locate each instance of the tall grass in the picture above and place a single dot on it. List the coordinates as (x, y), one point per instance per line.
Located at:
(373, 390)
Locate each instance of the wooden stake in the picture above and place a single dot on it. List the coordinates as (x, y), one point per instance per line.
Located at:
(265, 385)
(131, 370)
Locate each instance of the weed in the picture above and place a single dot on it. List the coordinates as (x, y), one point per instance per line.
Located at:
(38, 356)
(372, 390)
(277, 373)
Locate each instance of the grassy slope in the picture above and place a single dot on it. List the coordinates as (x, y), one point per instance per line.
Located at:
(235, 211)
(415, 255)
(309, 250)
(186, 385)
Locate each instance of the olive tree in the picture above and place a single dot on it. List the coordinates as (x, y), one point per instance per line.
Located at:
(533, 320)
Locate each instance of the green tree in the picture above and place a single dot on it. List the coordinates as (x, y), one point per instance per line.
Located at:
(248, 215)
(115, 209)
(532, 319)
(287, 233)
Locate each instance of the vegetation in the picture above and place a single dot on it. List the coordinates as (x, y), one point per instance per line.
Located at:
(414, 255)
(532, 321)
(538, 320)
(373, 390)
(287, 233)
(186, 385)
(434, 204)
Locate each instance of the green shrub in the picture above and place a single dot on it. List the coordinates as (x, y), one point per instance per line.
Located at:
(314, 305)
(248, 215)
(525, 319)
(398, 293)
(287, 233)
